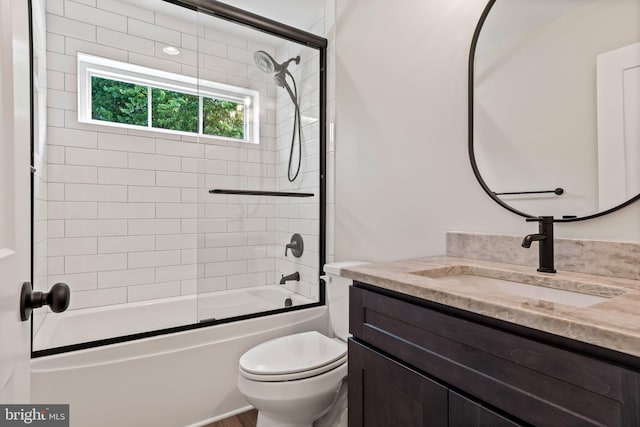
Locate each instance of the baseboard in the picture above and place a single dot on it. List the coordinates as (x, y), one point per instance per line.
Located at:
(221, 417)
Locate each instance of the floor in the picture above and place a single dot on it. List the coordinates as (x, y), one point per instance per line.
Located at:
(245, 419)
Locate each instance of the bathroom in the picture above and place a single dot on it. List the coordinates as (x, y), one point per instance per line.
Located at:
(393, 192)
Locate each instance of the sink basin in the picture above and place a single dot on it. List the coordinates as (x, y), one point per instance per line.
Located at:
(539, 287)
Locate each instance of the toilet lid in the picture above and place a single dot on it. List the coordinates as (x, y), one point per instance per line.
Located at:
(293, 354)
(296, 375)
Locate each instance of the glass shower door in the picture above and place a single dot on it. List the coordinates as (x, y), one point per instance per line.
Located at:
(258, 184)
(176, 155)
(111, 208)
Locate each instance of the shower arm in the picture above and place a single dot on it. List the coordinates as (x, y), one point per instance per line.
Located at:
(286, 63)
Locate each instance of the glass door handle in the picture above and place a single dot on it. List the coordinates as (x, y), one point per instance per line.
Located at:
(57, 299)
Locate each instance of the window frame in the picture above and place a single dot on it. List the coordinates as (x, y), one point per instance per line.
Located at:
(94, 66)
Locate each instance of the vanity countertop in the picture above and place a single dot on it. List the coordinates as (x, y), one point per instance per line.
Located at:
(613, 323)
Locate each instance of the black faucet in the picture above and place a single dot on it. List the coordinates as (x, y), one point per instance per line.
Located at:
(295, 276)
(545, 245)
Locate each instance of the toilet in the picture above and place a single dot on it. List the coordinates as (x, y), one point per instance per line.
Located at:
(294, 380)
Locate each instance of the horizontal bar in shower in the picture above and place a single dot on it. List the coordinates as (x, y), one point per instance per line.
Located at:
(558, 191)
(260, 193)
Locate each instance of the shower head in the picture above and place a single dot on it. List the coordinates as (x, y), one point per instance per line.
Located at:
(267, 64)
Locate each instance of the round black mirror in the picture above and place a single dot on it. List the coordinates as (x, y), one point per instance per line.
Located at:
(554, 101)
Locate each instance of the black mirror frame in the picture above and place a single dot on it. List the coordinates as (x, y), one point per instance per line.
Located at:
(472, 158)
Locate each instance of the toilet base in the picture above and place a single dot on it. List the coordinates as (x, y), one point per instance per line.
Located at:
(266, 420)
(338, 414)
(335, 416)
(293, 403)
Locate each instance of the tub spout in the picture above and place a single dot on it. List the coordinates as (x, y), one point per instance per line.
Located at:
(295, 276)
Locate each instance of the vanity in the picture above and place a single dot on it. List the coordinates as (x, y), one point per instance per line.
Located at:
(431, 347)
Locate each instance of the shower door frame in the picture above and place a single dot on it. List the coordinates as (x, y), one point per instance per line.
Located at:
(274, 28)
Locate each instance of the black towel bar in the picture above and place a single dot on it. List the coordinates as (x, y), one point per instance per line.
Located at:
(260, 193)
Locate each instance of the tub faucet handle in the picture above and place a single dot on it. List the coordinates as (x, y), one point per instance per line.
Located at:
(296, 245)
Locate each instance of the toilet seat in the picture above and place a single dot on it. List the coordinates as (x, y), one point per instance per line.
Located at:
(293, 357)
(296, 375)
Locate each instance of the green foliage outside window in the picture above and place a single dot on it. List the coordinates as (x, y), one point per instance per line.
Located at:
(223, 118)
(174, 110)
(127, 103)
(119, 102)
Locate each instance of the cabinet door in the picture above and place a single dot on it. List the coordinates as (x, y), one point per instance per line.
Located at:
(467, 413)
(384, 393)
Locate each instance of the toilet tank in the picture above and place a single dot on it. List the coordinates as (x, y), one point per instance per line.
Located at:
(337, 292)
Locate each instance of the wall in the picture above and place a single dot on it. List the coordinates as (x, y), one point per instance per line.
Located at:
(402, 169)
(129, 214)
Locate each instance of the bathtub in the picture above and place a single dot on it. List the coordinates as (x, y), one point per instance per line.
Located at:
(98, 323)
(180, 379)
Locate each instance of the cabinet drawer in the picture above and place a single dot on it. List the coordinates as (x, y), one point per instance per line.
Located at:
(537, 383)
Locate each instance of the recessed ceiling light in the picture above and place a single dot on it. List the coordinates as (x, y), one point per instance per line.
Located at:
(170, 50)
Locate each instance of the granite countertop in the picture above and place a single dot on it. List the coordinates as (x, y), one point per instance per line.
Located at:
(612, 322)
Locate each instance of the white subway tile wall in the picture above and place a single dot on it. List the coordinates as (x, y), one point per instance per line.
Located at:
(125, 214)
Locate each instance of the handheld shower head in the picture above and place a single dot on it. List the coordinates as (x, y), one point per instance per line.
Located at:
(281, 79)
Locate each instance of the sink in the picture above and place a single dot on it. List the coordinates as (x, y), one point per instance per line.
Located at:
(535, 286)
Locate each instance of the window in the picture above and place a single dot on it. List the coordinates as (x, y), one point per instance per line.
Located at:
(119, 102)
(114, 93)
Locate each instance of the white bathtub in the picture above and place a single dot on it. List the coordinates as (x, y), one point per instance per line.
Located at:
(91, 324)
(179, 379)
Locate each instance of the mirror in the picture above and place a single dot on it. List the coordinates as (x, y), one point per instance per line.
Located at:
(554, 104)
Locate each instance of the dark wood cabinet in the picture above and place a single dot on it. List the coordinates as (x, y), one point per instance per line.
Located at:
(413, 365)
(464, 412)
(393, 394)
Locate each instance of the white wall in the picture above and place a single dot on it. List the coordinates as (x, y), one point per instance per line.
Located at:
(402, 169)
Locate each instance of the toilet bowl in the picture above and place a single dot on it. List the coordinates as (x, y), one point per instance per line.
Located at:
(294, 380)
